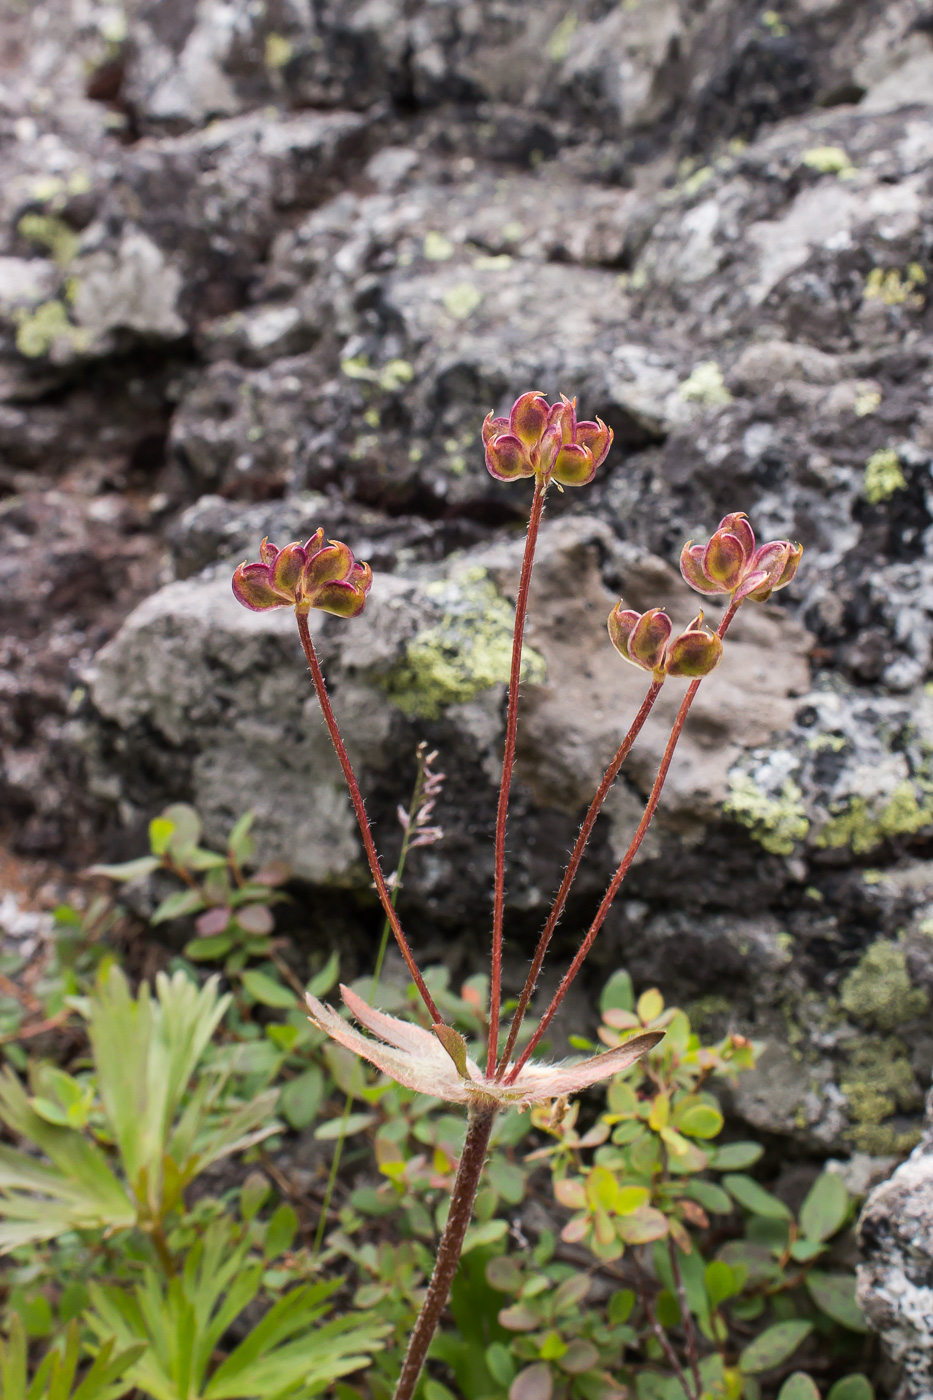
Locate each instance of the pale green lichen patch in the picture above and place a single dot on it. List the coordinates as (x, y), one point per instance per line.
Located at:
(37, 332)
(883, 476)
(388, 377)
(49, 232)
(829, 160)
(775, 822)
(895, 288)
(879, 991)
(862, 826)
(279, 51)
(467, 651)
(437, 246)
(462, 300)
(705, 386)
(878, 1082)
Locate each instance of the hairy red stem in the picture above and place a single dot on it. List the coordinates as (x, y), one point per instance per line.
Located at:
(624, 866)
(570, 874)
(356, 798)
(508, 763)
(462, 1196)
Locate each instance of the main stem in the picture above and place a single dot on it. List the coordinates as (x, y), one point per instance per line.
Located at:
(508, 763)
(356, 798)
(570, 874)
(479, 1130)
(616, 881)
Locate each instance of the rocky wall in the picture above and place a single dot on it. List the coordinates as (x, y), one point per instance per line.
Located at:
(265, 267)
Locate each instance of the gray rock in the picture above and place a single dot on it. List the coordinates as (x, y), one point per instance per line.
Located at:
(895, 1280)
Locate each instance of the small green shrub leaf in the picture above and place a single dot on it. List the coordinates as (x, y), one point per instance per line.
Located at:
(825, 1208)
(301, 1097)
(773, 1346)
(799, 1386)
(857, 1387)
(267, 991)
(755, 1198)
(834, 1294)
(736, 1156)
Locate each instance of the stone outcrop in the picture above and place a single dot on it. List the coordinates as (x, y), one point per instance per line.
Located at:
(268, 267)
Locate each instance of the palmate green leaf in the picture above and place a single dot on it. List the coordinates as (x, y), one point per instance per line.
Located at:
(183, 1322)
(54, 1378)
(74, 1190)
(145, 1053)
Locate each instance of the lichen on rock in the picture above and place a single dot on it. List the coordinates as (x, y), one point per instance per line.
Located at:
(468, 650)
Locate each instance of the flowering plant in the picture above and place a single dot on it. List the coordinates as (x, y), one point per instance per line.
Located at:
(547, 442)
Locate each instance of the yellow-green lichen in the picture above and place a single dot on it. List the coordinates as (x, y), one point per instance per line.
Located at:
(895, 288)
(279, 51)
(389, 377)
(558, 45)
(38, 331)
(468, 651)
(705, 386)
(878, 1082)
(829, 160)
(437, 247)
(862, 827)
(51, 233)
(462, 300)
(883, 476)
(867, 401)
(879, 992)
(776, 823)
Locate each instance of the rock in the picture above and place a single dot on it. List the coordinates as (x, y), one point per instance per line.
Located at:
(894, 1279)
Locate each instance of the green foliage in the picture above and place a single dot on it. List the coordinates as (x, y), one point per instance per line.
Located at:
(235, 918)
(56, 1377)
(119, 1145)
(658, 1229)
(181, 1322)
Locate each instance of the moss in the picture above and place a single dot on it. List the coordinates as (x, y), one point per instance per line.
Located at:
(829, 160)
(467, 652)
(705, 386)
(51, 233)
(879, 1082)
(862, 827)
(38, 331)
(879, 991)
(776, 823)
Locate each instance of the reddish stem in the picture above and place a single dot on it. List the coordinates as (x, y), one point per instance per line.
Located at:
(356, 798)
(479, 1130)
(614, 885)
(573, 865)
(508, 763)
